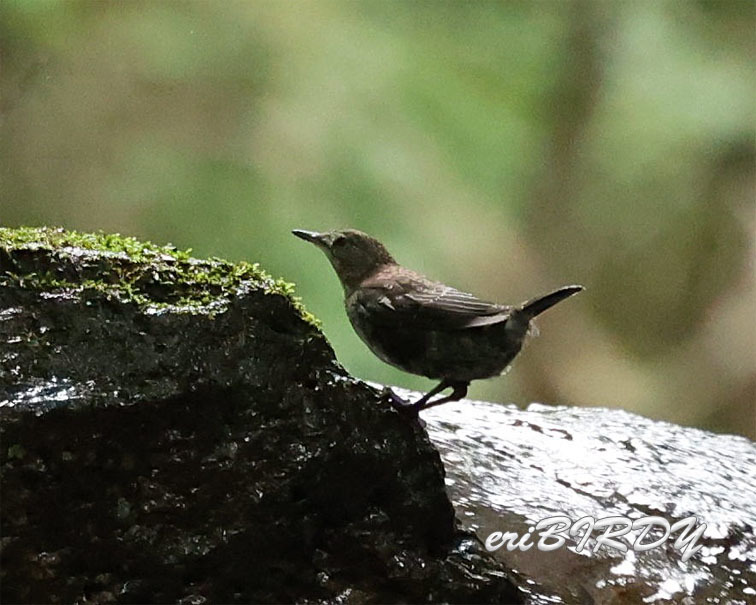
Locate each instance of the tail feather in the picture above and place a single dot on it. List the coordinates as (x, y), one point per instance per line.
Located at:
(538, 305)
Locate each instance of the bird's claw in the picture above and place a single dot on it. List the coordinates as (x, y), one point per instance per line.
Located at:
(393, 399)
(399, 404)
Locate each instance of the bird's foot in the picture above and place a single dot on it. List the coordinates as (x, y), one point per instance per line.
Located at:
(393, 399)
(402, 406)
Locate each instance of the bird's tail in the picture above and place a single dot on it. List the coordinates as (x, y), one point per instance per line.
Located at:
(538, 305)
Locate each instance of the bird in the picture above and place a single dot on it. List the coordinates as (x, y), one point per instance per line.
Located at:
(422, 326)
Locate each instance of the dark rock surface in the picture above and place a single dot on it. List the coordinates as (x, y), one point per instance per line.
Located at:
(177, 430)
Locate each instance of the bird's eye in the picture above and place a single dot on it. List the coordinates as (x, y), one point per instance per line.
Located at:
(339, 242)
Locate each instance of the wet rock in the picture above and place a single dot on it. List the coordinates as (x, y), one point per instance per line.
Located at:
(176, 430)
(507, 469)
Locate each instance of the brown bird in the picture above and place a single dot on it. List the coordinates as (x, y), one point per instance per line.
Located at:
(422, 326)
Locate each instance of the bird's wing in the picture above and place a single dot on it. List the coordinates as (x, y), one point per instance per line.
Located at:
(429, 305)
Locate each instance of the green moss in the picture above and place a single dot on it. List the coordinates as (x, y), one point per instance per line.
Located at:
(128, 270)
(46, 237)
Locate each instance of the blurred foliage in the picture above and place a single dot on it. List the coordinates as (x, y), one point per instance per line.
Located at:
(505, 148)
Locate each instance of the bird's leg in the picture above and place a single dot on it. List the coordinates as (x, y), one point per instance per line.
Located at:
(421, 403)
(460, 390)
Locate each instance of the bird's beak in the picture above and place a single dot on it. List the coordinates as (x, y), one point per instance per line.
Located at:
(309, 236)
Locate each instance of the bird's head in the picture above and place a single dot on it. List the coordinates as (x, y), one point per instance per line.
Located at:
(354, 254)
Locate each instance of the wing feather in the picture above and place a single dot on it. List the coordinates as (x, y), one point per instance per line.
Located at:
(427, 304)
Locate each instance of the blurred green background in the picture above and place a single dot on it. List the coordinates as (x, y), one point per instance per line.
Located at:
(504, 148)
